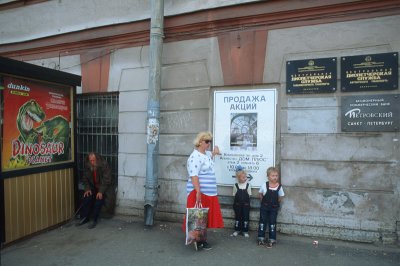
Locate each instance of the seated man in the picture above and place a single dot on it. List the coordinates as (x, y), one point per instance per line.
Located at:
(97, 181)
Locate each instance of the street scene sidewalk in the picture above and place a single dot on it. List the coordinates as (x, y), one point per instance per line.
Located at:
(126, 241)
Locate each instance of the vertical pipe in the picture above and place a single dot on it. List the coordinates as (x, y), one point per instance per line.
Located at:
(153, 109)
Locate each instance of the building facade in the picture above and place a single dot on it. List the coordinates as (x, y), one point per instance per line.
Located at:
(339, 183)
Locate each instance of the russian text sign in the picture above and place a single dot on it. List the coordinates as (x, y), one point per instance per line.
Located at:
(370, 72)
(377, 113)
(244, 130)
(311, 76)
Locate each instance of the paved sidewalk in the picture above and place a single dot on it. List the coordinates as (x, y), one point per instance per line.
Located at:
(126, 241)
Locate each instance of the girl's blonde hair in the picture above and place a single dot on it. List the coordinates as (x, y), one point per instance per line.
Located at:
(272, 170)
(204, 135)
(239, 172)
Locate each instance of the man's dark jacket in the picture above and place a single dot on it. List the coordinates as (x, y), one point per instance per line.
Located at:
(106, 183)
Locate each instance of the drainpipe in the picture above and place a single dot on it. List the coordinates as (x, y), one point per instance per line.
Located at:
(153, 109)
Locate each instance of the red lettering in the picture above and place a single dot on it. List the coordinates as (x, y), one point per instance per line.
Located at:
(16, 145)
(20, 148)
(61, 148)
(36, 149)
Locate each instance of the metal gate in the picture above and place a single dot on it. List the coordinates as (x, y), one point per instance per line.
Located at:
(97, 128)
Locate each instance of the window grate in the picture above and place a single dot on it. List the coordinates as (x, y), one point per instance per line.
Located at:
(97, 128)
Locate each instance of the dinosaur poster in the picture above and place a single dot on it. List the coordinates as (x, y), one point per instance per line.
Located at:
(36, 126)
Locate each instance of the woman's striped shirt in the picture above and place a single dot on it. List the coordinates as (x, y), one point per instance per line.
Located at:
(202, 165)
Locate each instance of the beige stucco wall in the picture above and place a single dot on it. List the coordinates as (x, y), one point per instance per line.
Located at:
(336, 182)
(190, 69)
(51, 18)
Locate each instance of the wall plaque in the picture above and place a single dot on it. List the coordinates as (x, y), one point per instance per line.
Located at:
(311, 76)
(379, 113)
(370, 72)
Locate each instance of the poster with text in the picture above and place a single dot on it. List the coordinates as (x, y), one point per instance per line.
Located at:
(245, 132)
(37, 120)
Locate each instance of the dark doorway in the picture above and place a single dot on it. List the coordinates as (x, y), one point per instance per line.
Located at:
(97, 128)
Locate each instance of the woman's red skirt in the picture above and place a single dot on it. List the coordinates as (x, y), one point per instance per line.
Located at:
(214, 211)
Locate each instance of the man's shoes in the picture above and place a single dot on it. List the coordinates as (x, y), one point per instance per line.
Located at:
(269, 244)
(82, 222)
(246, 234)
(92, 225)
(204, 245)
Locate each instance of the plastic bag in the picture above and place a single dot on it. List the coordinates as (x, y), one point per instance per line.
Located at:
(196, 224)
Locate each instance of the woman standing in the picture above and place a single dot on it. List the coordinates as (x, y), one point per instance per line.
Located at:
(202, 184)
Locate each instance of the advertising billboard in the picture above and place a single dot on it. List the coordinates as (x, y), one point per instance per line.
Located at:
(37, 123)
(245, 132)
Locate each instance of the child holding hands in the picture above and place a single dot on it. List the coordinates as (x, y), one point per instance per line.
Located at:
(271, 194)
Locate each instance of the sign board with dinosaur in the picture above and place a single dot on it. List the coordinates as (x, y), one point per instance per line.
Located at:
(37, 123)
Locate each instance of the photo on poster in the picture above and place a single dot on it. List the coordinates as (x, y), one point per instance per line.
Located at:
(244, 131)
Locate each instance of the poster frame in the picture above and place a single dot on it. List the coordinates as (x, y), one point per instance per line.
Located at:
(69, 163)
(221, 162)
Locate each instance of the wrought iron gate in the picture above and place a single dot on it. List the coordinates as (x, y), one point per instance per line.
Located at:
(97, 128)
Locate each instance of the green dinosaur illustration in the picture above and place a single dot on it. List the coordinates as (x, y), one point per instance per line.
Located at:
(51, 136)
(29, 113)
(55, 129)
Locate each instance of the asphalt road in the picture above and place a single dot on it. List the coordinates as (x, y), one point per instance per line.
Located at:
(126, 241)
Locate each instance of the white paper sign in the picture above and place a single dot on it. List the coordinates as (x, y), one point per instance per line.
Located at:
(244, 131)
